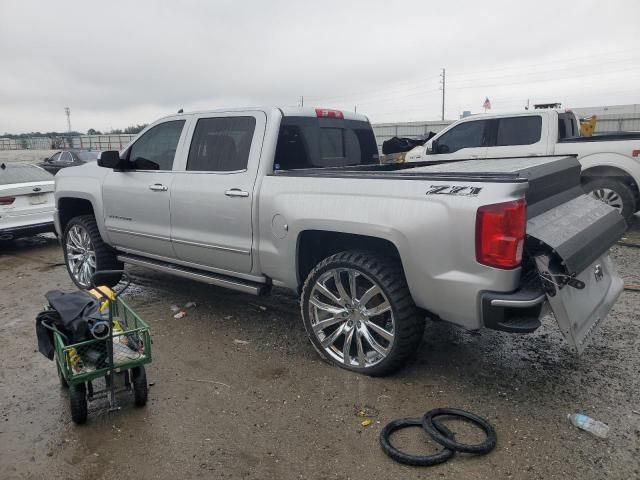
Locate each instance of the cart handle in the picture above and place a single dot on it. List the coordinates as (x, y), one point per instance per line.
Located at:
(116, 293)
(45, 324)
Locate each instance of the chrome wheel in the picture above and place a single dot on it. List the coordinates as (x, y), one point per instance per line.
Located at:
(351, 318)
(81, 255)
(608, 196)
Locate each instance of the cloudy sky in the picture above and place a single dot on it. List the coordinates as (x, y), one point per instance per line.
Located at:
(120, 63)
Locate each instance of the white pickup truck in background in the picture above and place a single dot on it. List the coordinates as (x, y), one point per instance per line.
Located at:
(610, 162)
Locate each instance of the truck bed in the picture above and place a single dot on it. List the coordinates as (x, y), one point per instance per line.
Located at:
(554, 196)
(512, 169)
(552, 179)
(603, 137)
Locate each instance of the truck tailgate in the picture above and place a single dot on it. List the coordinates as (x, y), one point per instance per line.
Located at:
(570, 244)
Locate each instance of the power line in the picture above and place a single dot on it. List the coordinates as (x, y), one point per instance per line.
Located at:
(384, 95)
(555, 79)
(563, 61)
(382, 91)
(540, 72)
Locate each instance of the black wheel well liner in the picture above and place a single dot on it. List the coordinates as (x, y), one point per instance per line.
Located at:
(69, 207)
(313, 246)
(608, 171)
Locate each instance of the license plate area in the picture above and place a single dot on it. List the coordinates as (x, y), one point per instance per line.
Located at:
(38, 199)
(582, 304)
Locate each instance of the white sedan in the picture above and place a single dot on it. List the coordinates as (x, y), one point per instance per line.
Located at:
(26, 201)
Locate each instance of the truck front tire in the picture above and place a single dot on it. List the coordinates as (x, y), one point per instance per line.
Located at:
(359, 314)
(614, 193)
(85, 253)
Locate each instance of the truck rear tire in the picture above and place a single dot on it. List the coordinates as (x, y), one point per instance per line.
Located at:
(359, 314)
(614, 193)
(85, 253)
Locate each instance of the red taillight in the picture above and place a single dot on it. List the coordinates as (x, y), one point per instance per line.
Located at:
(500, 231)
(4, 201)
(327, 113)
(635, 153)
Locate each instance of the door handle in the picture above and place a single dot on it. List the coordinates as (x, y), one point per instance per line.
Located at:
(158, 187)
(236, 192)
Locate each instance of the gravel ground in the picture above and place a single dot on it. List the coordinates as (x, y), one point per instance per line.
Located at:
(277, 411)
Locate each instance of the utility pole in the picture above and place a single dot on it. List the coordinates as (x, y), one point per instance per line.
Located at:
(67, 110)
(301, 101)
(443, 80)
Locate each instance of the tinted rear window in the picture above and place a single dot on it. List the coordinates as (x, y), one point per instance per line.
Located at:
(307, 142)
(22, 174)
(519, 131)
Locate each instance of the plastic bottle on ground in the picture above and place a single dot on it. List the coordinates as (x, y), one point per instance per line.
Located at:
(588, 424)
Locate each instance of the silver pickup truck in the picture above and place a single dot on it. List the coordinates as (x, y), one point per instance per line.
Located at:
(296, 198)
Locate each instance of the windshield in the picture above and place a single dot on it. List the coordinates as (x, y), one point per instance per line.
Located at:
(13, 173)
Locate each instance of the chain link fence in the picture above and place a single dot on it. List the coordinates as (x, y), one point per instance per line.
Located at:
(77, 142)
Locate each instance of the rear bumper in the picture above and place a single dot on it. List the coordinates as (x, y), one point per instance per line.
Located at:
(514, 312)
(26, 230)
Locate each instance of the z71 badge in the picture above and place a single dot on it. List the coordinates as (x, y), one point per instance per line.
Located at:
(461, 190)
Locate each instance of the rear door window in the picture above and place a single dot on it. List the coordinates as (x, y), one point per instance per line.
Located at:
(466, 135)
(308, 142)
(518, 131)
(221, 144)
(156, 149)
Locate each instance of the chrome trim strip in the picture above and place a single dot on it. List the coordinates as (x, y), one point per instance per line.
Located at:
(211, 279)
(138, 234)
(215, 247)
(497, 302)
(183, 242)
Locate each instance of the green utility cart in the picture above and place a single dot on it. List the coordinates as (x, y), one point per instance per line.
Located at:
(122, 347)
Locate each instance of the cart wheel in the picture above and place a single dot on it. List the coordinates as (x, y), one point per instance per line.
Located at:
(78, 402)
(140, 390)
(63, 382)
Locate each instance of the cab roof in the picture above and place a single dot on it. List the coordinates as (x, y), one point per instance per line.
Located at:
(288, 111)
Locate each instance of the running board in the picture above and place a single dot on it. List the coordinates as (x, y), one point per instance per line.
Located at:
(198, 275)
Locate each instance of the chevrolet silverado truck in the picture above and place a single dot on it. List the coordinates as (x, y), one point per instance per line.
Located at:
(610, 162)
(296, 198)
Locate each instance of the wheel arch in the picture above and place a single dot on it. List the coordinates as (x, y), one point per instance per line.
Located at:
(313, 246)
(611, 165)
(619, 174)
(69, 207)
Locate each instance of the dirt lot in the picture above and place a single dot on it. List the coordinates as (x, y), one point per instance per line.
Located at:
(280, 412)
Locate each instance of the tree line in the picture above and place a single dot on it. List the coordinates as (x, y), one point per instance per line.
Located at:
(131, 129)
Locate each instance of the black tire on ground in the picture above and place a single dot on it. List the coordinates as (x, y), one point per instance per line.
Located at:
(140, 389)
(63, 382)
(387, 273)
(78, 403)
(105, 256)
(600, 185)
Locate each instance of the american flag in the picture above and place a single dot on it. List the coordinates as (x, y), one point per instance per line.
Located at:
(487, 104)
